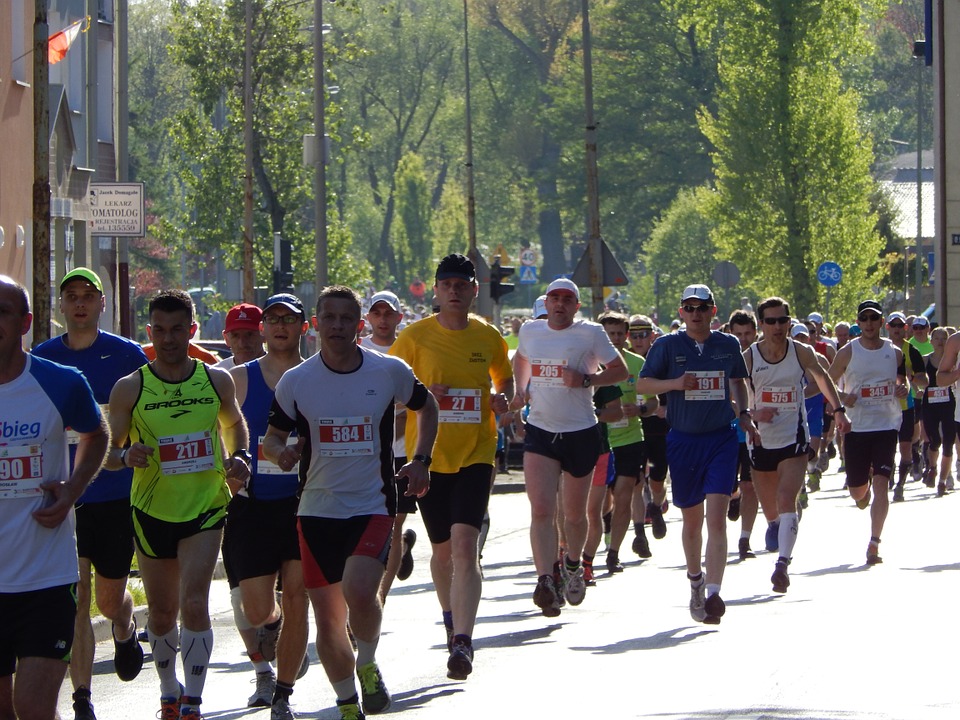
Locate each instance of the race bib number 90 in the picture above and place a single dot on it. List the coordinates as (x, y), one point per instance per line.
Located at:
(189, 453)
(21, 470)
(544, 372)
(346, 436)
(709, 386)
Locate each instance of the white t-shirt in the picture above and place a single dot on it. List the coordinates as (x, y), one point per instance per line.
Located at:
(583, 346)
(872, 375)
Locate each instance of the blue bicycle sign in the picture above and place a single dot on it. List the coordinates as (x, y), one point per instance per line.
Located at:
(829, 274)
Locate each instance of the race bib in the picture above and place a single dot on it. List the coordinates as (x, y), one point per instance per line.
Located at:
(21, 470)
(876, 393)
(190, 453)
(346, 436)
(547, 372)
(620, 424)
(936, 394)
(268, 467)
(709, 386)
(784, 399)
(460, 405)
(73, 437)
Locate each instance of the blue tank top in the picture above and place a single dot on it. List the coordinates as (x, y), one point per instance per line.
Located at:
(264, 485)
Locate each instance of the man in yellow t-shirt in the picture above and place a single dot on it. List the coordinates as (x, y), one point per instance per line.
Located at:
(457, 356)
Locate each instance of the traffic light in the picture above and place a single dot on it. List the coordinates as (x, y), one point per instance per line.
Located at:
(498, 273)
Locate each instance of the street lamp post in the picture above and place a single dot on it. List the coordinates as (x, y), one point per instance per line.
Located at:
(320, 159)
(919, 53)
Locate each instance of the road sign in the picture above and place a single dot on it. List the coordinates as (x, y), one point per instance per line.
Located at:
(613, 273)
(829, 274)
(726, 274)
(502, 254)
(528, 256)
(528, 275)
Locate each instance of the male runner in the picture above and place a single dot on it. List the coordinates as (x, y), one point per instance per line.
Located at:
(458, 357)
(260, 539)
(916, 373)
(241, 333)
(383, 317)
(701, 371)
(777, 367)
(556, 365)
(104, 528)
(174, 411)
(341, 404)
(38, 572)
(874, 379)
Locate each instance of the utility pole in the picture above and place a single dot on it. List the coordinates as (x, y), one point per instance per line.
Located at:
(41, 175)
(594, 241)
(320, 156)
(248, 274)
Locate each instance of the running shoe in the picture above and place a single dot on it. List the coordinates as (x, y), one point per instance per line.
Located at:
(641, 546)
(873, 558)
(898, 492)
(823, 462)
(733, 509)
(813, 481)
(714, 609)
(559, 582)
(802, 499)
(460, 663)
(82, 708)
(613, 566)
(406, 561)
(831, 450)
(280, 710)
(950, 482)
(574, 587)
(127, 655)
(545, 596)
(697, 610)
(780, 577)
(658, 525)
(192, 714)
(864, 502)
(941, 489)
(350, 709)
(744, 549)
(588, 575)
(267, 637)
(170, 707)
(266, 685)
(376, 699)
(771, 539)
(929, 477)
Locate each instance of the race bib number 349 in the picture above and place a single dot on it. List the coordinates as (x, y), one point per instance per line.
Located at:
(189, 453)
(346, 436)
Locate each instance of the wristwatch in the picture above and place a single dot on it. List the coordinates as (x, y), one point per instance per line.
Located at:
(123, 456)
(587, 381)
(425, 459)
(840, 409)
(243, 454)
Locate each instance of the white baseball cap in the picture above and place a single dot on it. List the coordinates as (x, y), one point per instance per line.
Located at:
(564, 285)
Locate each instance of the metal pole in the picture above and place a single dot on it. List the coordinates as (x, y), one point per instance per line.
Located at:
(248, 274)
(594, 241)
(121, 125)
(41, 175)
(919, 267)
(471, 198)
(320, 159)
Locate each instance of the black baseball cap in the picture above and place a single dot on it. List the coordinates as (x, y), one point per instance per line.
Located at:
(871, 305)
(456, 265)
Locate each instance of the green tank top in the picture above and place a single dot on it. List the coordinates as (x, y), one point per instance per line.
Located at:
(185, 475)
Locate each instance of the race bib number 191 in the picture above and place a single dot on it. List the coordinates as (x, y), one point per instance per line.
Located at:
(709, 386)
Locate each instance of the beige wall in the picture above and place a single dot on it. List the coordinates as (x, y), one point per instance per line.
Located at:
(946, 47)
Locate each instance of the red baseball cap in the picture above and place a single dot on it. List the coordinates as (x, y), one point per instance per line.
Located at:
(243, 317)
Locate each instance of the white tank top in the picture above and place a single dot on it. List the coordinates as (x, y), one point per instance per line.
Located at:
(872, 375)
(780, 385)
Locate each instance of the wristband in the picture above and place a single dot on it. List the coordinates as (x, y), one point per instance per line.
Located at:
(123, 456)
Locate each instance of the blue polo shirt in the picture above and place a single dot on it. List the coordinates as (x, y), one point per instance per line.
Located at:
(673, 355)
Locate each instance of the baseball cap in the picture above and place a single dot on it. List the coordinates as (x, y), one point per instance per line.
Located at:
(815, 317)
(855, 331)
(291, 302)
(799, 329)
(699, 292)
(921, 320)
(82, 273)
(640, 322)
(897, 316)
(540, 307)
(871, 305)
(456, 265)
(387, 297)
(243, 317)
(564, 285)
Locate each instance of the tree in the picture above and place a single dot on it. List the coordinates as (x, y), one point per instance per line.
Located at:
(792, 160)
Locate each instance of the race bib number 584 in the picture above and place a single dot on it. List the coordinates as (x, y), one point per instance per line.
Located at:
(346, 436)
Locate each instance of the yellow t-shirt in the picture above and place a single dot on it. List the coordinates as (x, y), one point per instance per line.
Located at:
(465, 360)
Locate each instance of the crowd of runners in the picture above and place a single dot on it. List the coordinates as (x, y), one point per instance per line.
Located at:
(300, 473)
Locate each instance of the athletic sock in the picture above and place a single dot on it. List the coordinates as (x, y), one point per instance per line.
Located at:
(366, 651)
(283, 692)
(195, 649)
(164, 650)
(259, 664)
(570, 564)
(787, 537)
(346, 690)
(713, 589)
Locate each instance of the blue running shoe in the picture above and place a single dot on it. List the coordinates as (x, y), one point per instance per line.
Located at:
(772, 538)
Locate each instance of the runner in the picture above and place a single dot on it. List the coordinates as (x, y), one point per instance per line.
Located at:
(260, 539)
(341, 404)
(241, 333)
(384, 316)
(556, 364)
(873, 373)
(701, 371)
(909, 431)
(104, 529)
(39, 570)
(777, 367)
(458, 357)
(174, 411)
(939, 405)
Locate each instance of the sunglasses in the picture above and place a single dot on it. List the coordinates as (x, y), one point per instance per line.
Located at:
(897, 325)
(867, 317)
(783, 320)
(285, 319)
(696, 308)
(919, 327)
(641, 334)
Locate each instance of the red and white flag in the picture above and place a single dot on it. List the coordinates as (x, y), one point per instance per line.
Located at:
(60, 42)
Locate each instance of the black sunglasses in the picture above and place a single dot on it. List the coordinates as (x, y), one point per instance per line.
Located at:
(897, 325)
(696, 308)
(782, 320)
(867, 316)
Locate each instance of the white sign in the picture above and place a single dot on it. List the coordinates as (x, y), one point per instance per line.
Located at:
(116, 209)
(528, 256)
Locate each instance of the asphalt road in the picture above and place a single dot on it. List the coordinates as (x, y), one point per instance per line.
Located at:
(846, 641)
